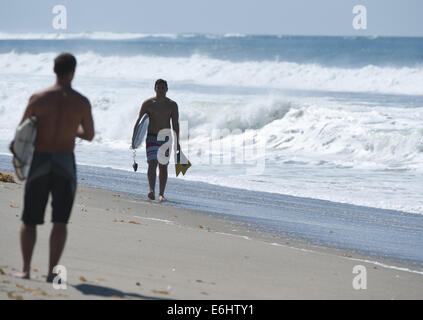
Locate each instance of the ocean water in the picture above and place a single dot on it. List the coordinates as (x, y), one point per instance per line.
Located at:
(330, 118)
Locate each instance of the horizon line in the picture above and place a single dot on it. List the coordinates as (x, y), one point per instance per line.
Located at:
(227, 34)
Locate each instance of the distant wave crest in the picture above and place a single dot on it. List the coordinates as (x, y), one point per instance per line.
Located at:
(200, 69)
(96, 35)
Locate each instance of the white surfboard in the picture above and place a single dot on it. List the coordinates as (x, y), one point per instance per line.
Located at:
(23, 147)
(140, 131)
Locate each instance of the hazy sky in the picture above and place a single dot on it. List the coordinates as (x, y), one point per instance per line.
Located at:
(297, 17)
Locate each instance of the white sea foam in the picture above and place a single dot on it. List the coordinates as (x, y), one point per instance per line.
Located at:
(207, 71)
(323, 148)
(155, 219)
(349, 135)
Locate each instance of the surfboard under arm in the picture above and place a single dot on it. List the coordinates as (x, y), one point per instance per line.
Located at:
(140, 131)
(22, 147)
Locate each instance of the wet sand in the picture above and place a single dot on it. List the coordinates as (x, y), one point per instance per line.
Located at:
(119, 248)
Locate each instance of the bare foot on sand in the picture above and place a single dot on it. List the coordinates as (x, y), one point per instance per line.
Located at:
(161, 198)
(151, 195)
(22, 275)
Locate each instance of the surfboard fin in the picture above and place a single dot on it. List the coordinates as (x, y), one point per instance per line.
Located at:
(182, 164)
(179, 167)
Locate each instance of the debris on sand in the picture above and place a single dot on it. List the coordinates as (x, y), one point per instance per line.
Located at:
(7, 178)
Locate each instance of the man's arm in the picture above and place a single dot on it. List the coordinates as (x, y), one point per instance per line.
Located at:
(86, 128)
(175, 123)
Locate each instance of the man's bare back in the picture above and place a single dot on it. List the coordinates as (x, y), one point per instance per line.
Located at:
(62, 114)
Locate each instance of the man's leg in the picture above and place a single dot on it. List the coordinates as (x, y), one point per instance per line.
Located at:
(63, 189)
(57, 244)
(152, 168)
(28, 238)
(163, 180)
(35, 201)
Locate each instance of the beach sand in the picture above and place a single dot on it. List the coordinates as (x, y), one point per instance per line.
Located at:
(119, 248)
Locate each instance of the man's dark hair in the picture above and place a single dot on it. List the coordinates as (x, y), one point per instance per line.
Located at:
(159, 81)
(64, 64)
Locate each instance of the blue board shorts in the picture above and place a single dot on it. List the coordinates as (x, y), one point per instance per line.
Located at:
(153, 146)
(53, 173)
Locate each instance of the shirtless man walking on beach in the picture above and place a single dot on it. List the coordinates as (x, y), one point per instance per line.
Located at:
(161, 110)
(62, 115)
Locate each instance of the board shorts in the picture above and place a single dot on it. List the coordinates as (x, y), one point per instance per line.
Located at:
(153, 146)
(53, 173)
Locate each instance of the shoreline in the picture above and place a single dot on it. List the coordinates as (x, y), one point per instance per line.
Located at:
(119, 247)
(384, 235)
(6, 158)
(244, 230)
(230, 226)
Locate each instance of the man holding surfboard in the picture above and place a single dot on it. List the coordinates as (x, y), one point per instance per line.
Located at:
(61, 114)
(161, 112)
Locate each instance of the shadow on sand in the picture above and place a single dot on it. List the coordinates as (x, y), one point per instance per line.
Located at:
(89, 289)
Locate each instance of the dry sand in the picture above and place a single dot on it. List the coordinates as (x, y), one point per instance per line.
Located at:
(119, 248)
